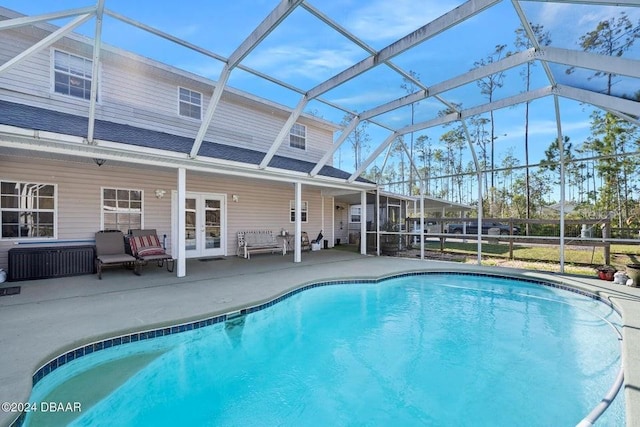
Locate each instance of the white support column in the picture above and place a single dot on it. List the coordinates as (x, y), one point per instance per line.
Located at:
(562, 178)
(181, 240)
(297, 256)
(363, 223)
(422, 219)
(377, 219)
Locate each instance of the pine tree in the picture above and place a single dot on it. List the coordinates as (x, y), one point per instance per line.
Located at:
(524, 42)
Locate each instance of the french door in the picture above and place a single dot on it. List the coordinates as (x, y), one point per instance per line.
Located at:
(205, 225)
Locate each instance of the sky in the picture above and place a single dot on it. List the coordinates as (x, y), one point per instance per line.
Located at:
(304, 52)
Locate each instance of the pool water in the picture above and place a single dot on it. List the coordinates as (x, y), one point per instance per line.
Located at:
(435, 350)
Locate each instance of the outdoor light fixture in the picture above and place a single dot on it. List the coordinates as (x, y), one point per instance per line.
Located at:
(160, 193)
(100, 162)
(235, 198)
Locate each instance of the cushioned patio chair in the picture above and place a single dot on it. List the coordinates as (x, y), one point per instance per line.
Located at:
(145, 246)
(110, 250)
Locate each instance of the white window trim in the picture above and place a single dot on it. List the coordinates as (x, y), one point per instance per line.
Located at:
(305, 137)
(351, 207)
(55, 213)
(179, 101)
(52, 77)
(303, 209)
(125, 189)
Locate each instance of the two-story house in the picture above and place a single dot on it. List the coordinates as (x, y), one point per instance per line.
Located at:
(70, 167)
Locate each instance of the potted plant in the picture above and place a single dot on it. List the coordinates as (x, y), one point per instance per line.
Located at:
(606, 272)
(633, 271)
(389, 243)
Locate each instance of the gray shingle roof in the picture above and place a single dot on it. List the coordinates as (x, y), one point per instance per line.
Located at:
(36, 118)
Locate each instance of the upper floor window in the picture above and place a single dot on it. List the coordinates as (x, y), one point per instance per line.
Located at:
(121, 209)
(27, 209)
(72, 74)
(298, 136)
(190, 103)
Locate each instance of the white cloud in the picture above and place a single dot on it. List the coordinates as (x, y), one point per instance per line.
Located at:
(568, 22)
(367, 97)
(286, 61)
(184, 32)
(390, 20)
(545, 128)
(553, 14)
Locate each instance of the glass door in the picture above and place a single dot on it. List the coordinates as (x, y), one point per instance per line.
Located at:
(212, 223)
(191, 227)
(204, 225)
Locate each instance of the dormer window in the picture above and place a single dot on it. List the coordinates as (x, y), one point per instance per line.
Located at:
(190, 103)
(72, 75)
(298, 136)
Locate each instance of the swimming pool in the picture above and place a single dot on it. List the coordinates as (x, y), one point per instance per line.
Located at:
(432, 349)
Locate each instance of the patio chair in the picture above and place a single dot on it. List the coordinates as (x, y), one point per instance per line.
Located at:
(110, 250)
(319, 238)
(145, 246)
(305, 243)
(316, 244)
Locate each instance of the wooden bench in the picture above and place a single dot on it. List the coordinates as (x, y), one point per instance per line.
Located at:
(259, 241)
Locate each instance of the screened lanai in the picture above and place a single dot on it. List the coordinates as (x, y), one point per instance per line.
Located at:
(463, 101)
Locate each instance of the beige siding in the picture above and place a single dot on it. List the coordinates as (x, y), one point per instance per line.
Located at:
(140, 94)
(78, 194)
(261, 204)
(31, 77)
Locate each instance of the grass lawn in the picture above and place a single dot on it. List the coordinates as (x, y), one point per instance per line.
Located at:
(581, 258)
(578, 259)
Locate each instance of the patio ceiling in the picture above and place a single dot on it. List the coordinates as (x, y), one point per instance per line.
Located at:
(388, 62)
(431, 204)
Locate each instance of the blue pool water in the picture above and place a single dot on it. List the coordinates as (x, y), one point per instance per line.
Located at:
(435, 350)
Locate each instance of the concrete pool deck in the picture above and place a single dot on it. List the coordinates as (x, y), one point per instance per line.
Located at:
(50, 317)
